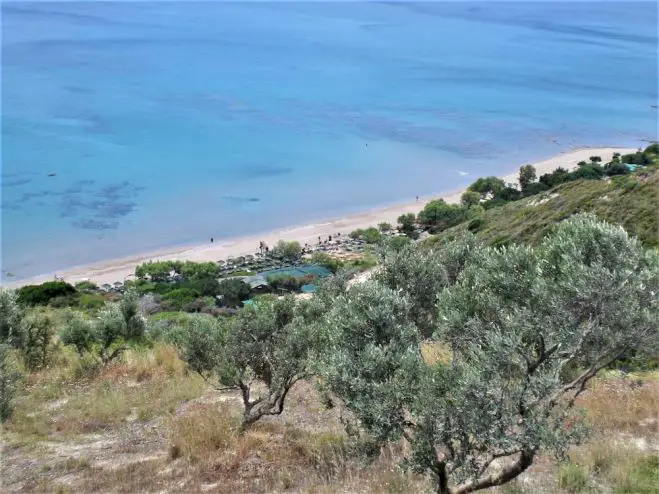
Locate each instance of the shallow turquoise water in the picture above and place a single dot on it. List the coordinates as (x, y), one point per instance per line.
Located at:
(167, 123)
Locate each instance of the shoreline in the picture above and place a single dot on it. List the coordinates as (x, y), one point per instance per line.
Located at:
(123, 268)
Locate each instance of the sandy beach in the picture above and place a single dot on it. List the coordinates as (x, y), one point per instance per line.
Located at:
(121, 269)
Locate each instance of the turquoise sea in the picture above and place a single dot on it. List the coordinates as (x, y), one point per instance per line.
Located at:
(132, 126)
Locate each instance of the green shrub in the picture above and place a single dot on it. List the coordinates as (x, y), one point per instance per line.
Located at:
(616, 169)
(407, 225)
(44, 293)
(558, 176)
(324, 259)
(86, 367)
(508, 194)
(285, 282)
(367, 261)
(652, 149)
(208, 287)
(178, 298)
(372, 235)
(10, 317)
(9, 377)
(573, 478)
(588, 172)
(487, 187)
(638, 158)
(37, 329)
(500, 241)
(77, 331)
(91, 301)
(86, 286)
(157, 271)
(642, 479)
(201, 304)
(117, 325)
(290, 251)
(233, 292)
(535, 188)
(396, 243)
(470, 198)
(437, 215)
(268, 341)
(369, 235)
(476, 224)
(199, 270)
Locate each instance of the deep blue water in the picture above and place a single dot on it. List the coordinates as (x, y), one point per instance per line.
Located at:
(170, 122)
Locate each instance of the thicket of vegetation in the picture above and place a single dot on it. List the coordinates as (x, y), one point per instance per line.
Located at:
(631, 201)
(491, 197)
(517, 334)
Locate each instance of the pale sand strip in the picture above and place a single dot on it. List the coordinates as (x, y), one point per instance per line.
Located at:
(122, 268)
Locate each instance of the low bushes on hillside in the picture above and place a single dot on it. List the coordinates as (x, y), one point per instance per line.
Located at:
(45, 293)
(270, 340)
(369, 235)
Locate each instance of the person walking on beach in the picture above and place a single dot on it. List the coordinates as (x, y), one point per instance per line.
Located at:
(211, 240)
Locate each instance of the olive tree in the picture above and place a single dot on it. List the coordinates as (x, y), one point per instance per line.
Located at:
(527, 175)
(29, 330)
(437, 215)
(199, 270)
(421, 273)
(36, 331)
(289, 251)
(157, 271)
(488, 187)
(78, 331)
(262, 352)
(117, 324)
(407, 225)
(470, 198)
(527, 330)
(9, 378)
(10, 317)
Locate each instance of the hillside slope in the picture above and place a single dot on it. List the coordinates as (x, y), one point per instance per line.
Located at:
(631, 201)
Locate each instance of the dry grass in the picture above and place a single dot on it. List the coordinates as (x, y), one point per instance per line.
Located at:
(202, 431)
(105, 404)
(434, 352)
(623, 405)
(161, 360)
(274, 456)
(607, 462)
(198, 447)
(139, 476)
(143, 385)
